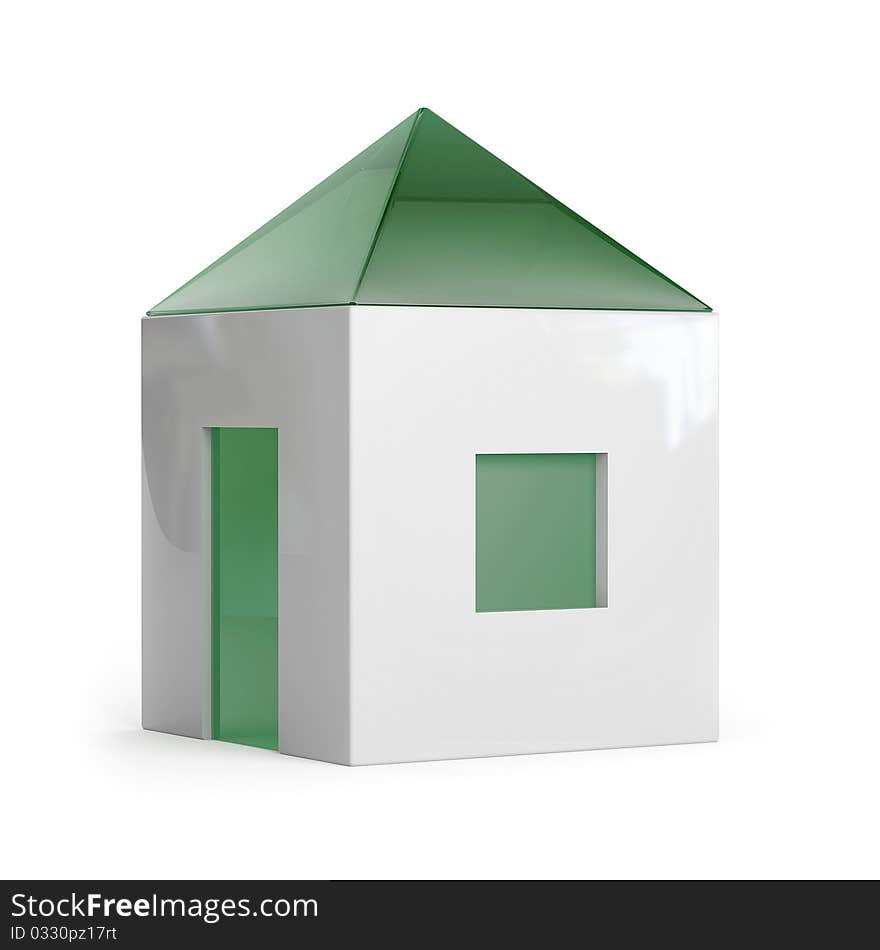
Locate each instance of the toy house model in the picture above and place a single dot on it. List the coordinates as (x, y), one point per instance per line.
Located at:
(430, 470)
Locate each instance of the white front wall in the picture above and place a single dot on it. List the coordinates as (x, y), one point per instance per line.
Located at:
(286, 370)
(432, 387)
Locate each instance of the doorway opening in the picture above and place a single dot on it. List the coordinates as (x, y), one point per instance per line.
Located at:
(244, 586)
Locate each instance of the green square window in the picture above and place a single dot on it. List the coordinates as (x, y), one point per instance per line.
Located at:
(537, 538)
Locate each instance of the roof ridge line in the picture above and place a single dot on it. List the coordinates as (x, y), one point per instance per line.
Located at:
(404, 152)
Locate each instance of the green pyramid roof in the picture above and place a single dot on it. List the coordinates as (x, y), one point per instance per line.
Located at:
(425, 216)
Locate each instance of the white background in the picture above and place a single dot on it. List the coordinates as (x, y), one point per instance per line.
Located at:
(732, 145)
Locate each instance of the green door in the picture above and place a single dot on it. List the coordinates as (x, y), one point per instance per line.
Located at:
(244, 582)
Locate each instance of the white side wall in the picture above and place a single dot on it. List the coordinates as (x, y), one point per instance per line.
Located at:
(285, 369)
(431, 388)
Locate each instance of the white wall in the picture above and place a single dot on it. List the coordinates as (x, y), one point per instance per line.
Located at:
(431, 388)
(287, 370)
